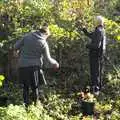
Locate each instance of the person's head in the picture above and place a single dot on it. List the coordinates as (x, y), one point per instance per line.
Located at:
(99, 20)
(45, 29)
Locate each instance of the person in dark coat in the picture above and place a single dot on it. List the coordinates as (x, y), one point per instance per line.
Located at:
(33, 48)
(97, 48)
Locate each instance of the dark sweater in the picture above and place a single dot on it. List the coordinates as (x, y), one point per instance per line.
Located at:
(98, 39)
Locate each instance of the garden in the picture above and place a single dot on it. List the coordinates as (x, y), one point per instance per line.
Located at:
(62, 98)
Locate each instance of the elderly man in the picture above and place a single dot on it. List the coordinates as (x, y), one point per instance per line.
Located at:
(96, 48)
(33, 47)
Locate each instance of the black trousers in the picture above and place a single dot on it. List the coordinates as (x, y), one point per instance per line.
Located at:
(96, 68)
(31, 77)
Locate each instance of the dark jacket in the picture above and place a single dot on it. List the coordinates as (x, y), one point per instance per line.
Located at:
(98, 39)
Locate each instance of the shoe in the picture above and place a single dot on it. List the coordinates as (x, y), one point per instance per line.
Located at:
(96, 90)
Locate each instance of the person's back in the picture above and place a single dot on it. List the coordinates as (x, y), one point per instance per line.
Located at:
(31, 51)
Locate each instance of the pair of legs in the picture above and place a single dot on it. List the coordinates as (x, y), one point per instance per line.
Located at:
(96, 69)
(30, 77)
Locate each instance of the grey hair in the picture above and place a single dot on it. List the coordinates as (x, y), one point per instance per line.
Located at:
(100, 20)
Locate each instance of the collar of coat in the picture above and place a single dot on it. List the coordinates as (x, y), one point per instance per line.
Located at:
(100, 26)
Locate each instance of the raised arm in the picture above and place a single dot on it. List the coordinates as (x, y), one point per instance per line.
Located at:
(89, 34)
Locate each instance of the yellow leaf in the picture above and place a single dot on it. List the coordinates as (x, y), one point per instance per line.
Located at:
(2, 77)
(0, 83)
(118, 37)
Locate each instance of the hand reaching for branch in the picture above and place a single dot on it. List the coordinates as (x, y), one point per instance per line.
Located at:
(79, 25)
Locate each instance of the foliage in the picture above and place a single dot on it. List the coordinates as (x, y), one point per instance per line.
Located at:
(68, 46)
(1, 79)
(113, 29)
(58, 104)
